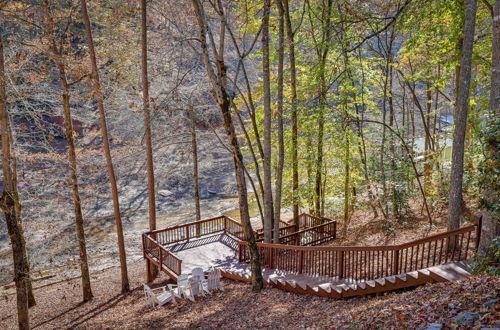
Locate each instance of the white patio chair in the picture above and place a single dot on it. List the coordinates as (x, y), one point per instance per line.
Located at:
(183, 288)
(213, 281)
(158, 296)
(196, 284)
(198, 272)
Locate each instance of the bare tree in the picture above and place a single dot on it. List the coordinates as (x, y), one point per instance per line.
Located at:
(194, 151)
(57, 55)
(10, 204)
(217, 76)
(147, 126)
(105, 139)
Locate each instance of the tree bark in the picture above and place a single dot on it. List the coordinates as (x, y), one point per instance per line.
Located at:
(107, 151)
(80, 232)
(491, 220)
(457, 162)
(221, 96)
(56, 53)
(194, 150)
(293, 100)
(147, 127)
(9, 199)
(268, 196)
(281, 142)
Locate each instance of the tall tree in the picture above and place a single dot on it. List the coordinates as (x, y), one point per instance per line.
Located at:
(218, 79)
(491, 220)
(56, 51)
(268, 196)
(293, 87)
(194, 151)
(9, 202)
(460, 120)
(147, 125)
(281, 142)
(107, 151)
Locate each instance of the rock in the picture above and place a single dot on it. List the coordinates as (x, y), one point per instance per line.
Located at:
(492, 302)
(433, 326)
(165, 193)
(466, 317)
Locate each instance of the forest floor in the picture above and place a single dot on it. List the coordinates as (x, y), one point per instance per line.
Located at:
(470, 303)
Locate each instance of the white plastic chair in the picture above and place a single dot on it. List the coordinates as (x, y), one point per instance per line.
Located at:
(213, 281)
(196, 285)
(164, 296)
(183, 288)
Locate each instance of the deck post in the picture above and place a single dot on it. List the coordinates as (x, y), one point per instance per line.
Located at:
(149, 277)
(187, 232)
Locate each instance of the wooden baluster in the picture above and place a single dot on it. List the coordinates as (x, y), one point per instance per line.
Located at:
(467, 246)
(341, 264)
(396, 262)
(160, 259)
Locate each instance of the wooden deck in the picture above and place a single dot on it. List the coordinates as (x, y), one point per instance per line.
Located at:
(299, 264)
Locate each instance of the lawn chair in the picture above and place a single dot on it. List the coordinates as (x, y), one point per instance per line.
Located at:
(213, 281)
(158, 296)
(196, 284)
(183, 288)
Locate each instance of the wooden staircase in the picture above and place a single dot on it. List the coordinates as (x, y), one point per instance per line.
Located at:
(443, 273)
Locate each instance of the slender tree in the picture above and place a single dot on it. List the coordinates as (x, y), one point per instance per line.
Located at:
(9, 202)
(293, 87)
(281, 142)
(147, 126)
(194, 151)
(107, 151)
(57, 54)
(462, 105)
(218, 79)
(268, 196)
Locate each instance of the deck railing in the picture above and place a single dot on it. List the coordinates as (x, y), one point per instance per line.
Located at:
(312, 236)
(355, 263)
(161, 255)
(155, 241)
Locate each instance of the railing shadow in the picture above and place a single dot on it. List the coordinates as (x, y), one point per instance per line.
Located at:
(197, 242)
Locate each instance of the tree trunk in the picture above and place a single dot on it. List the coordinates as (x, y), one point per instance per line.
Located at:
(194, 150)
(322, 51)
(8, 202)
(107, 151)
(221, 96)
(68, 126)
(491, 221)
(80, 232)
(281, 143)
(293, 88)
(457, 162)
(268, 196)
(147, 127)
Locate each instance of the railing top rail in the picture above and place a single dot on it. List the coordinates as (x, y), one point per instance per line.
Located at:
(162, 247)
(185, 225)
(308, 229)
(367, 248)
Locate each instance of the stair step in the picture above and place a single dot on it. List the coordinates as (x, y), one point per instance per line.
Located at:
(391, 279)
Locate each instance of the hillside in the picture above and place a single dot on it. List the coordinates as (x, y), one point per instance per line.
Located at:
(470, 303)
